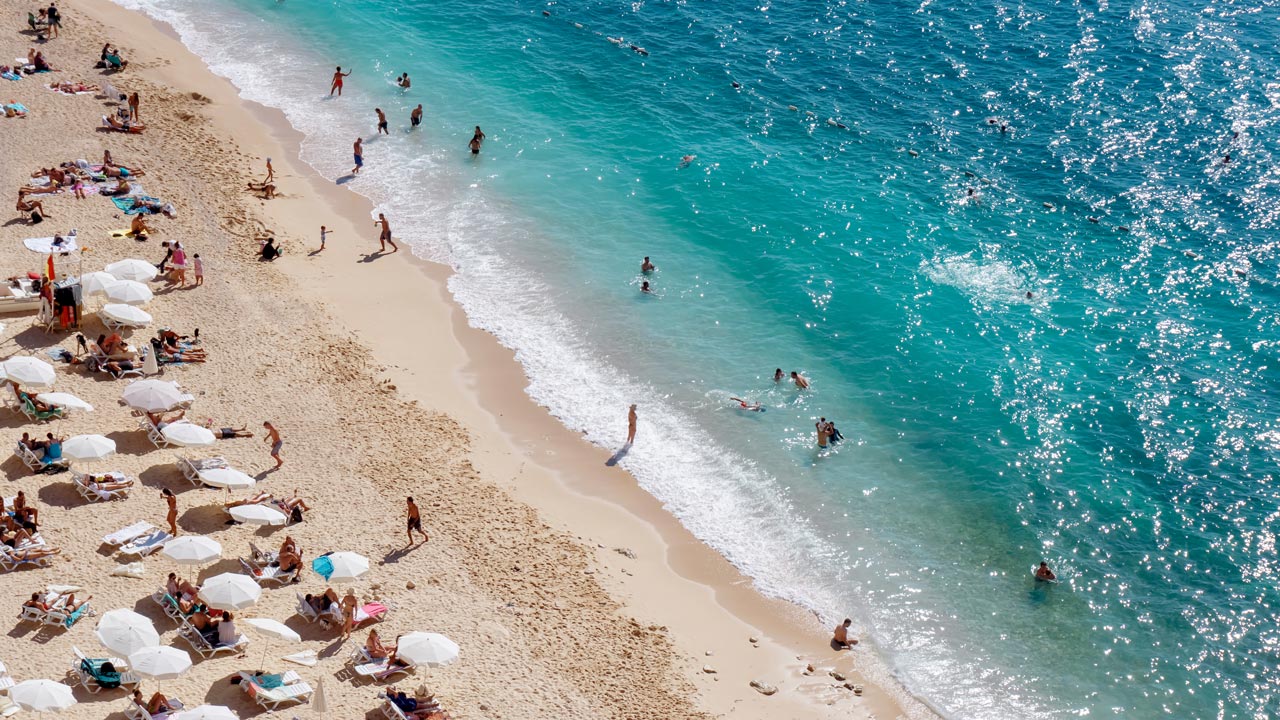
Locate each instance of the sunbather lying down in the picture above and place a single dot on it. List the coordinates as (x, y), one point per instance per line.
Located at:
(69, 87)
(255, 500)
(35, 553)
(421, 708)
(13, 108)
(65, 602)
(128, 126)
(106, 483)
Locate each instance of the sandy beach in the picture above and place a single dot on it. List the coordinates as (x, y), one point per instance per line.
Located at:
(571, 592)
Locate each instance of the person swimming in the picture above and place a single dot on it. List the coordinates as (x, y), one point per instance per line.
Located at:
(644, 287)
(744, 405)
(647, 267)
(686, 160)
(1043, 573)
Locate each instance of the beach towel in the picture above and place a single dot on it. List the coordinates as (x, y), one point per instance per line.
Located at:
(75, 614)
(369, 610)
(11, 76)
(126, 205)
(323, 566)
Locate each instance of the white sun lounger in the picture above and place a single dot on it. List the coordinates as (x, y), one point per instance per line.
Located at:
(269, 573)
(9, 560)
(35, 463)
(190, 468)
(134, 711)
(146, 544)
(128, 678)
(91, 492)
(122, 536)
(292, 691)
(208, 649)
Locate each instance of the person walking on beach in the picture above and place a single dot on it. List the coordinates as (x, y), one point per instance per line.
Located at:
(271, 173)
(172, 516)
(415, 521)
(273, 437)
(384, 236)
(358, 151)
(134, 101)
(337, 81)
(840, 637)
(323, 234)
(382, 122)
(198, 266)
(631, 424)
(415, 117)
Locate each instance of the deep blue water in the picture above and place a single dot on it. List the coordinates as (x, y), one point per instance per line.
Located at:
(1119, 423)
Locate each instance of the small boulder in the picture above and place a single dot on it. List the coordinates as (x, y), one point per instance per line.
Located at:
(763, 688)
(839, 676)
(409, 585)
(708, 669)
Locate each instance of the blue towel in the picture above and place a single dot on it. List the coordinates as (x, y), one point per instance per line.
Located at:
(74, 616)
(11, 76)
(270, 682)
(323, 566)
(126, 204)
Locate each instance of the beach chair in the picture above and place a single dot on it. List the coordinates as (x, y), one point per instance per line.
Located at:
(93, 678)
(134, 711)
(28, 408)
(35, 462)
(124, 535)
(146, 544)
(290, 690)
(376, 668)
(156, 437)
(259, 558)
(190, 468)
(91, 492)
(310, 614)
(59, 616)
(6, 681)
(391, 711)
(205, 647)
(270, 573)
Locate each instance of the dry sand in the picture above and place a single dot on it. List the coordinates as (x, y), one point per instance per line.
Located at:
(571, 592)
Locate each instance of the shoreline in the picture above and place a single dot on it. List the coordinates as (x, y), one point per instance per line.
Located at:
(439, 362)
(576, 485)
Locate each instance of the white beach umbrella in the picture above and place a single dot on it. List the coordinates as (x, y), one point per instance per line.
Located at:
(425, 648)
(126, 315)
(188, 434)
(160, 662)
(133, 269)
(152, 395)
(129, 292)
(228, 478)
(348, 566)
(258, 515)
(124, 632)
(45, 246)
(192, 550)
(42, 696)
(95, 283)
(273, 630)
(65, 400)
(230, 591)
(89, 447)
(28, 371)
(320, 701)
(206, 712)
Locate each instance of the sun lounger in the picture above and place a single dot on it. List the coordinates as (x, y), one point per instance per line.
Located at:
(269, 573)
(205, 647)
(134, 711)
(191, 468)
(376, 668)
(35, 462)
(6, 681)
(28, 408)
(156, 437)
(146, 544)
(290, 691)
(57, 615)
(91, 492)
(259, 558)
(391, 711)
(168, 604)
(124, 535)
(94, 679)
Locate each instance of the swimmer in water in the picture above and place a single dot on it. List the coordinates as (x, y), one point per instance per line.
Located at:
(801, 381)
(971, 195)
(415, 117)
(644, 287)
(778, 375)
(403, 82)
(337, 81)
(382, 122)
(1044, 573)
(744, 405)
(647, 267)
(1226, 159)
(686, 160)
(476, 139)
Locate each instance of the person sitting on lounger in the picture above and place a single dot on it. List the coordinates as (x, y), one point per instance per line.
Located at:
(52, 448)
(70, 605)
(113, 344)
(394, 664)
(289, 561)
(157, 705)
(375, 649)
(261, 497)
(15, 538)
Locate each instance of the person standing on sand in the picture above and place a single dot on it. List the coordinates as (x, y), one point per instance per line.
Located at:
(134, 100)
(323, 234)
(415, 520)
(337, 81)
(172, 517)
(349, 605)
(55, 21)
(358, 151)
(382, 122)
(841, 637)
(415, 117)
(384, 236)
(273, 437)
(271, 173)
(198, 266)
(631, 424)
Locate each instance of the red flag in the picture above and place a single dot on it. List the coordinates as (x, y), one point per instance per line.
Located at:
(48, 272)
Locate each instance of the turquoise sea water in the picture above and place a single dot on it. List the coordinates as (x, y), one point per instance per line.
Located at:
(1120, 422)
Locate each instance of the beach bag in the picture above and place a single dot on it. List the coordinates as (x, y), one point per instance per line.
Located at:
(36, 217)
(296, 514)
